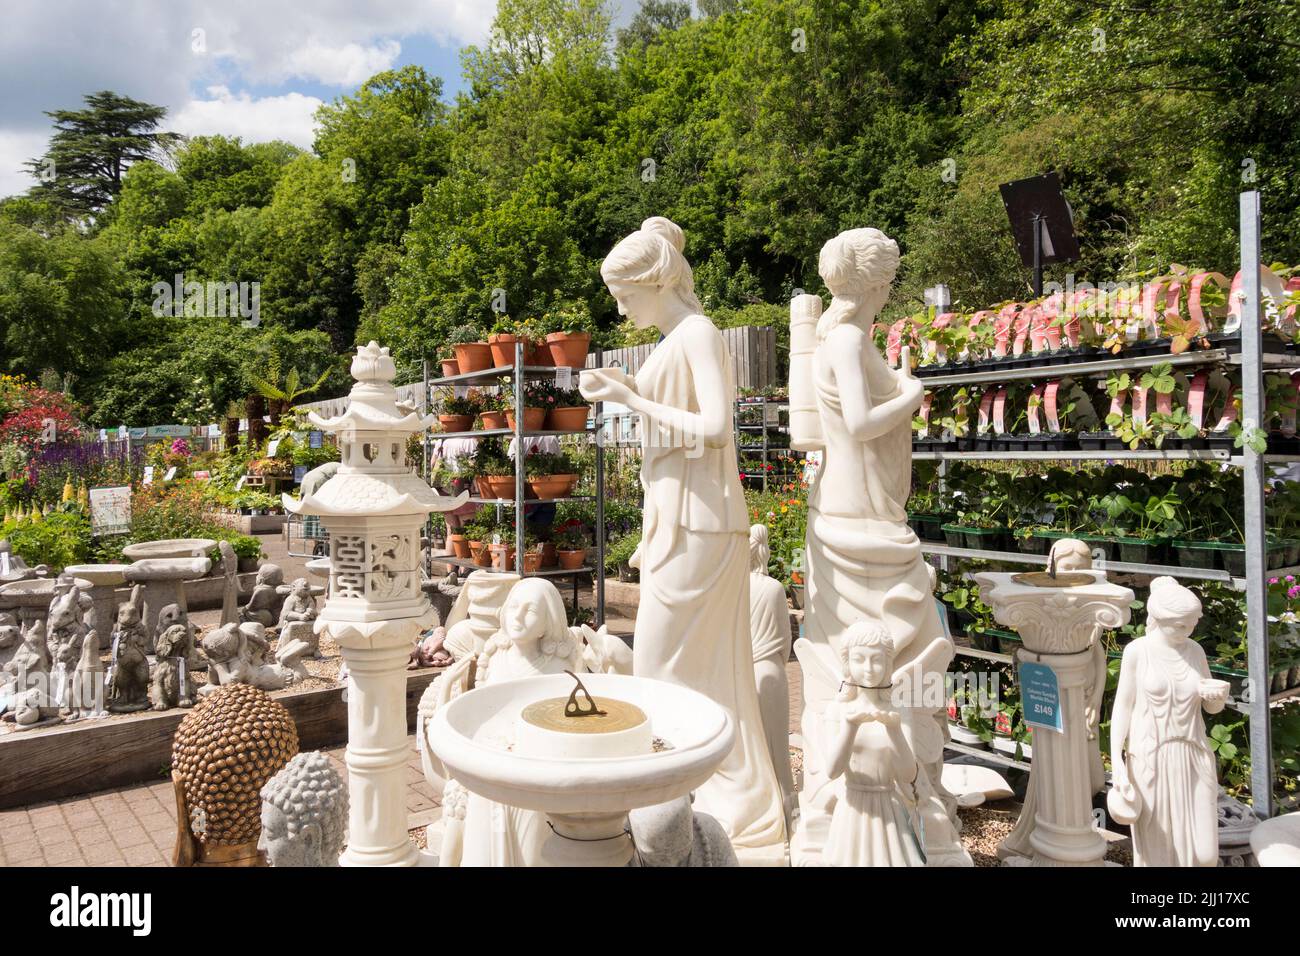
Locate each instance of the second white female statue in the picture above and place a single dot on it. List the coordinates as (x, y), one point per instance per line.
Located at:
(692, 627)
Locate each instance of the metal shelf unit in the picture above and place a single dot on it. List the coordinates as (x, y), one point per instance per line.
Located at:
(761, 430)
(1252, 360)
(519, 372)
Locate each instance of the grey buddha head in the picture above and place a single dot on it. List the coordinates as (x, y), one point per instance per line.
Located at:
(304, 814)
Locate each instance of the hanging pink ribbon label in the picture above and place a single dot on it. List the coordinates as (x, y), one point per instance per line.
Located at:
(986, 408)
(1117, 404)
(1229, 410)
(1049, 401)
(1037, 328)
(1022, 322)
(894, 343)
(999, 411)
(1196, 397)
(1035, 403)
(926, 402)
(1002, 330)
(1139, 398)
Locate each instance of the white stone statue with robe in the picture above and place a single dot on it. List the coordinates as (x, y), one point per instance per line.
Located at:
(769, 628)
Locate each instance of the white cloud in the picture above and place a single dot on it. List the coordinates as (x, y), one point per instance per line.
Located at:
(348, 65)
(255, 119)
(15, 149)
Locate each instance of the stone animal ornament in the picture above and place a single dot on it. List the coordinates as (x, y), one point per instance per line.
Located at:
(304, 814)
(174, 614)
(263, 606)
(172, 684)
(11, 636)
(32, 657)
(88, 681)
(129, 677)
(673, 834)
(224, 752)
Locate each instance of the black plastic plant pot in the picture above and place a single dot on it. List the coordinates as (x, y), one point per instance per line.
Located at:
(1195, 554)
(1032, 544)
(1275, 554)
(1233, 559)
(983, 640)
(982, 443)
(1008, 641)
(1138, 550)
(1094, 441)
(1102, 543)
(1292, 552)
(985, 539)
(954, 536)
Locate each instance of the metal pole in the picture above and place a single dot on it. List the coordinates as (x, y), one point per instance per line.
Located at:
(1253, 475)
(424, 410)
(1038, 256)
(599, 438)
(519, 455)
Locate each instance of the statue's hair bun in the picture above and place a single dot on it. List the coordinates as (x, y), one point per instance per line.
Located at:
(669, 230)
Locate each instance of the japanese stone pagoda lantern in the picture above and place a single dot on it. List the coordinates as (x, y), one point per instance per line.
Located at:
(374, 508)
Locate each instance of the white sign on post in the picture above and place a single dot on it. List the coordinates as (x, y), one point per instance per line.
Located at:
(148, 475)
(564, 378)
(110, 510)
(271, 448)
(171, 474)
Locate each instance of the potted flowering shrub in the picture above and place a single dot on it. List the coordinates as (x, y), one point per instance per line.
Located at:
(568, 335)
(494, 469)
(571, 545)
(456, 414)
(538, 396)
(569, 411)
(492, 410)
(502, 341)
(550, 476)
(472, 353)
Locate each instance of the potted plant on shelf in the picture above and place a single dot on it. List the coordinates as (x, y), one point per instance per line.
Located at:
(571, 546)
(472, 353)
(1141, 524)
(550, 476)
(495, 469)
(478, 534)
(538, 396)
(502, 549)
(450, 366)
(505, 333)
(569, 412)
(492, 410)
(568, 335)
(457, 413)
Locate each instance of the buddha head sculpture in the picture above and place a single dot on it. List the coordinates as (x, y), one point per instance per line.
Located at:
(223, 753)
(1172, 610)
(858, 267)
(304, 813)
(648, 275)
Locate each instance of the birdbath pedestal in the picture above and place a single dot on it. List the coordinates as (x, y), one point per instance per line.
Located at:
(163, 584)
(1060, 619)
(104, 580)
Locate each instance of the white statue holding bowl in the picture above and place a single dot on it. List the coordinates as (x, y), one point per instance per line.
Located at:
(692, 625)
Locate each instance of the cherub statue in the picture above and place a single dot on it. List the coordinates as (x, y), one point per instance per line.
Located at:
(235, 655)
(873, 824)
(129, 676)
(172, 684)
(264, 605)
(673, 834)
(304, 814)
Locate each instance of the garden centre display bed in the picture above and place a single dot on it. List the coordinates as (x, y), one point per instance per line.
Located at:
(91, 755)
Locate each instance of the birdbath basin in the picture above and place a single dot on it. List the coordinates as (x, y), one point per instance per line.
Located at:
(1062, 579)
(34, 592)
(169, 548)
(319, 568)
(99, 574)
(508, 743)
(1276, 842)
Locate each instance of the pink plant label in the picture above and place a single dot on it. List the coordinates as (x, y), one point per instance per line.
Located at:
(1196, 397)
(999, 411)
(986, 409)
(1035, 403)
(1049, 402)
(1022, 322)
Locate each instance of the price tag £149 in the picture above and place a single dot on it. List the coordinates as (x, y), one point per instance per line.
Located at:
(1040, 695)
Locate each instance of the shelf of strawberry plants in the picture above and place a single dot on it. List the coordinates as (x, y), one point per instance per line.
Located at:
(1165, 408)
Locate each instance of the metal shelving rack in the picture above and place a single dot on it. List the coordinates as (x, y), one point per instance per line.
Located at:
(762, 428)
(520, 373)
(1252, 361)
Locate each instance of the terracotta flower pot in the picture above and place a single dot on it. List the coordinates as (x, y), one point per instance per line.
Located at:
(532, 560)
(473, 357)
(459, 545)
(500, 486)
(569, 349)
(450, 367)
(493, 419)
(484, 487)
(550, 557)
(539, 354)
(456, 423)
(534, 419)
(502, 557)
(552, 486)
(481, 552)
(503, 349)
(572, 560)
(571, 419)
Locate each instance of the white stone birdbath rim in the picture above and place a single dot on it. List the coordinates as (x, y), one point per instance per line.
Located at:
(1276, 842)
(34, 592)
(468, 735)
(147, 570)
(169, 548)
(99, 574)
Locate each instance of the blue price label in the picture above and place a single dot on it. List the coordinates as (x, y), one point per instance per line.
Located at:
(1040, 693)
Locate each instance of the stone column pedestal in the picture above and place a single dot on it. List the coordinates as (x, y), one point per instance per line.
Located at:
(1060, 628)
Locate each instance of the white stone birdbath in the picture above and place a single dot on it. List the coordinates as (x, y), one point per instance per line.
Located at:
(104, 579)
(169, 548)
(1060, 622)
(1276, 842)
(586, 798)
(31, 598)
(319, 568)
(162, 579)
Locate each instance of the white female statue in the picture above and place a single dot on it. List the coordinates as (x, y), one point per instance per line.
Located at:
(692, 626)
(1164, 783)
(875, 822)
(863, 561)
(769, 627)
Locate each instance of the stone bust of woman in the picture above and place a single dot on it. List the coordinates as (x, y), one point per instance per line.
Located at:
(692, 626)
(1164, 782)
(304, 813)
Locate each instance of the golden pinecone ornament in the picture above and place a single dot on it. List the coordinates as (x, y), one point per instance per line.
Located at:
(224, 751)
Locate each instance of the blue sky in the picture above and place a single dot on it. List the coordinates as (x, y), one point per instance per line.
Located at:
(251, 68)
